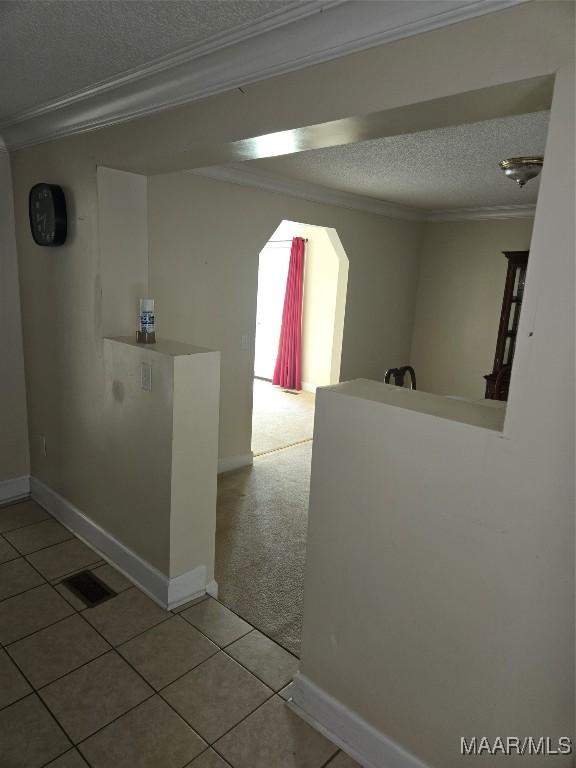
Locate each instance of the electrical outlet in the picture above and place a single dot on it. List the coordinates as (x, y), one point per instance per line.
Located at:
(146, 377)
(43, 443)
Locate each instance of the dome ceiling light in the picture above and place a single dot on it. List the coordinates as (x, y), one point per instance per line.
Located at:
(522, 169)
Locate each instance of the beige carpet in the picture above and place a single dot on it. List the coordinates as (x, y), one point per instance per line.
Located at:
(262, 521)
(280, 418)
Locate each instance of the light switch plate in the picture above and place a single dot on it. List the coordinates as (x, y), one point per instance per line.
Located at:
(146, 377)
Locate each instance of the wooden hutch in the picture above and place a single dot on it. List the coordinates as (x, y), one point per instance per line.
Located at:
(498, 382)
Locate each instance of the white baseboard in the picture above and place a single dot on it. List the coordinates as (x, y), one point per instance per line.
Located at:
(228, 463)
(14, 489)
(365, 744)
(167, 592)
(307, 387)
(181, 589)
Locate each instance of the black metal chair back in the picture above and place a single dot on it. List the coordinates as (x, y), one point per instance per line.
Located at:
(399, 375)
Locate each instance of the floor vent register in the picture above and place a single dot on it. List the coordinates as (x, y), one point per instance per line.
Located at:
(89, 588)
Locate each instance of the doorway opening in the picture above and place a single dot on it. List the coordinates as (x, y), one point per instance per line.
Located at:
(283, 417)
(263, 509)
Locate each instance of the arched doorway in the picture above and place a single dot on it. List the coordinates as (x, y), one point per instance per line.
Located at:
(282, 418)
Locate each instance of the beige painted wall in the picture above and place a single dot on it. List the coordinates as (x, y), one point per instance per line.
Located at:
(318, 307)
(467, 533)
(136, 434)
(461, 282)
(205, 237)
(322, 314)
(170, 466)
(123, 236)
(14, 459)
(92, 463)
(194, 462)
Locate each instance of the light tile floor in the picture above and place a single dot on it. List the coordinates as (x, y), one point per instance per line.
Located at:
(126, 684)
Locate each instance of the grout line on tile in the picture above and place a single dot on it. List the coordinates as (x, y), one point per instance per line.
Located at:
(154, 692)
(16, 556)
(40, 549)
(34, 692)
(77, 751)
(17, 594)
(210, 746)
(254, 673)
(220, 647)
(60, 577)
(331, 759)
(3, 599)
(27, 525)
(116, 647)
(269, 698)
(92, 567)
(112, 649)
(223, 647)
(36, 631)
(24, 696)
(74, 669)
(254, 627)
(78, 743)
(211, 743)
(176, 679)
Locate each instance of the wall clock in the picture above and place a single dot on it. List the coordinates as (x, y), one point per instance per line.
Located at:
(47, 211)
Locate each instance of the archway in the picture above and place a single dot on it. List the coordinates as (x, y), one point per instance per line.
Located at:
(282, 418)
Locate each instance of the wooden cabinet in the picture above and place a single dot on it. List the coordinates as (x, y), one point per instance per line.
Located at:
(498, 382)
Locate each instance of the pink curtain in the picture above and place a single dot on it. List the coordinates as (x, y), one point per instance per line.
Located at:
(288, 369)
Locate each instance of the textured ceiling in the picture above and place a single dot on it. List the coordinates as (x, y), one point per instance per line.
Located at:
(453, 167)
(49, 48)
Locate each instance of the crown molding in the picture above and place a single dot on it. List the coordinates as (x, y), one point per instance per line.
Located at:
(283, 41)
(483, 212)
(236, 173)
(248, 177)
(165, 64)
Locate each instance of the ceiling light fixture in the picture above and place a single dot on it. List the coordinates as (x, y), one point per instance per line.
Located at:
(521, 169)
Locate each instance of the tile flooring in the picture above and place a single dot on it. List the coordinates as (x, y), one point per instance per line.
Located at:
(126, 684)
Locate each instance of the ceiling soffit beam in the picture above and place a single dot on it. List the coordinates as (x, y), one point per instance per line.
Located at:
(522, 97)
(285, 41)
(507, 100)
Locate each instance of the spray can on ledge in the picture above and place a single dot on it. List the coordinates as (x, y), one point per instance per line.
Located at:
(146, 333)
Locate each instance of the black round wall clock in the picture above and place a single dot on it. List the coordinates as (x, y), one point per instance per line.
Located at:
(47, 210)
